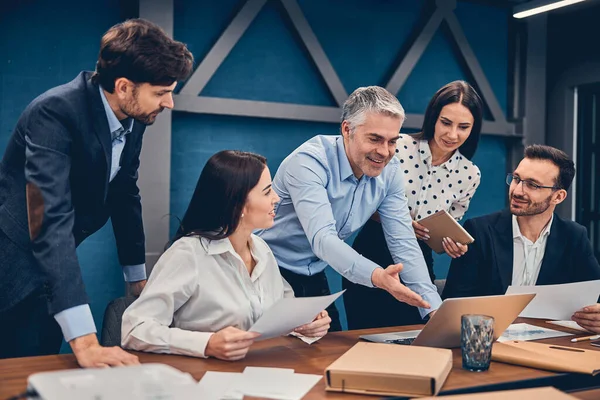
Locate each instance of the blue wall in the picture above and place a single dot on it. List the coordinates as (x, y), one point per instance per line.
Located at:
(362, 40)
(40, 47)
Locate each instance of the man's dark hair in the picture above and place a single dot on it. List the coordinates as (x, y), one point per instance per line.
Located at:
(143, 53)
(566, 167)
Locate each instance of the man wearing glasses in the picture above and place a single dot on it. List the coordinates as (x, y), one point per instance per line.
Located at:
(527, 244)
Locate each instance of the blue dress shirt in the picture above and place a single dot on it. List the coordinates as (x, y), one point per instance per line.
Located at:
(323, 203)
(78, 321)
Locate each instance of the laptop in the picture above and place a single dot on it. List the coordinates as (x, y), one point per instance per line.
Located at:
(443, 329)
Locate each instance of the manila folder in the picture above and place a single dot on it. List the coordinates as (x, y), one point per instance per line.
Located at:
(547, 356)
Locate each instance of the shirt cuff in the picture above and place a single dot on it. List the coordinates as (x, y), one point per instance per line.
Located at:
(134, 273)
(76, 321)
(363, 272)
(434, 300)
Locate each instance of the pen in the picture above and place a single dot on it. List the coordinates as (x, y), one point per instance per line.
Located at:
(581, 339)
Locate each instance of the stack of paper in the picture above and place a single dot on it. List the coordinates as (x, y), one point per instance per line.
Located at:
(271, 383)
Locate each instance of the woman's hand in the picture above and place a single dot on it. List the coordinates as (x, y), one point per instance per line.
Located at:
(454, 249)
(230, 344)
(317, 328)
(421, 232)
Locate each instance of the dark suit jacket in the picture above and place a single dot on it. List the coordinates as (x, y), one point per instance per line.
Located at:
(486, 269)
(55, 192)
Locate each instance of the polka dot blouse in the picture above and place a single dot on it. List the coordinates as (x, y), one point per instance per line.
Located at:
(449, 186)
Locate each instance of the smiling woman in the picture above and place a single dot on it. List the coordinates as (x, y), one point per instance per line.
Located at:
(217, 278)
(438, 175)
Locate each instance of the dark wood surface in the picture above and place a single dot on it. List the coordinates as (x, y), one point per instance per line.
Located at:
(290, 352)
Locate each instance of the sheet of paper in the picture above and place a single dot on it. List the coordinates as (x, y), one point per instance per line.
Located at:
(214, 385)
(558, 301)
(529, 332)
(268, 370)
(305, 339)
(278, 386)
(289, 313)
(270, 383)
(568, 324)
(260, 374)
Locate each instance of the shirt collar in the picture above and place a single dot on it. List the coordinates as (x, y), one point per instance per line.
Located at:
(222, 246)
(517, 231)
(425, 154)
(114, 125)
(215, 247)
(345, 168)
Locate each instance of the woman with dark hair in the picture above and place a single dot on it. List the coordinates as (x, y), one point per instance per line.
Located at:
(217, 278)
(438, 175)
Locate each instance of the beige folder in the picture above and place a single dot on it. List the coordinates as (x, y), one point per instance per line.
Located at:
(545, 393)
(441, 225)
(547, 356)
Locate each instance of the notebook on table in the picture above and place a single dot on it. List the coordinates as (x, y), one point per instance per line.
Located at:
(441, 225)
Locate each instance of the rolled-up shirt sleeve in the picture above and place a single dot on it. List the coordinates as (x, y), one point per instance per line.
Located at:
(306, 179)
(400, 237)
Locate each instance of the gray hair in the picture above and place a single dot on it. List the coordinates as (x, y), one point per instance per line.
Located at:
(373, 99)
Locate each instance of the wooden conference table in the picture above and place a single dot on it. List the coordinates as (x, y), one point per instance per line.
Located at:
(290, 352)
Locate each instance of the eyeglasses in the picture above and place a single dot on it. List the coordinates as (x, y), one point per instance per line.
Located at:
(527, 183)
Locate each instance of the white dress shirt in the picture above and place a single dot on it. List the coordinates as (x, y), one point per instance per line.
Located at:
(198, 287)
(449, 186)
(527, 255)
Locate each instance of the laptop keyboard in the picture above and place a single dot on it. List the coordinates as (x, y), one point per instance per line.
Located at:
(401, 340)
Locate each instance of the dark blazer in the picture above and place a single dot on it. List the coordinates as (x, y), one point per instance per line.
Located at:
(486, 269)
(55, 192)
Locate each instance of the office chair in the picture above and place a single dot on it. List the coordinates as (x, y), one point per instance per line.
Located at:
(111, 326)
(439, 284)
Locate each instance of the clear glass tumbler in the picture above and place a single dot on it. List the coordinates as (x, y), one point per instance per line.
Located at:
(476, 339)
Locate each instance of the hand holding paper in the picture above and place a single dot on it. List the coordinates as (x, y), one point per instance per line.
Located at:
(230, 344)
(558, 301)
(293, 312)
(317, 328)
(589, 318)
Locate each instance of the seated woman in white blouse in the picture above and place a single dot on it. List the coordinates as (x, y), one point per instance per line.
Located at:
(217, 278)
(438, 175)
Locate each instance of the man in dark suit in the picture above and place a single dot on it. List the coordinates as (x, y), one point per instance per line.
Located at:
(527, 244)
(70, 165)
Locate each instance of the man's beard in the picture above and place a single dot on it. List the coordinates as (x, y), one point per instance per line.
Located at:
(147, 119)
(531, 209)
(133, 110)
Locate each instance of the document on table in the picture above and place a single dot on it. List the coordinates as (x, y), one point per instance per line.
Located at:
(558, 301)
(289, 313)
(271, 383)
(529, 332)
(569, 324)
(214, 385)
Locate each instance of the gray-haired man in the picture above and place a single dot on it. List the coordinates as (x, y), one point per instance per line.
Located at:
(329, 187)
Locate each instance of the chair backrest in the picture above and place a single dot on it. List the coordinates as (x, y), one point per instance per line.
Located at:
(111, 326)
(439, 284)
